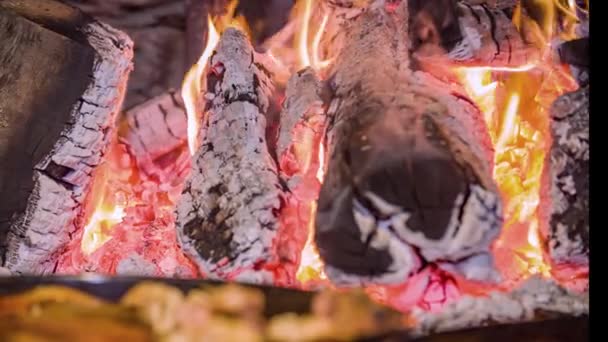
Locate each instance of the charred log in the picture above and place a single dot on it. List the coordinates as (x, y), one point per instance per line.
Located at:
(409, 173)
(568, 174)
(301, 130)
(536, 299)
(227, 216)
(157, 28)
(156, 134)
(62, 81)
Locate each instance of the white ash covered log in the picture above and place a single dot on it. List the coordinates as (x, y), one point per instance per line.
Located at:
(302, 124)
(62, 81)
(227, 216)
(536, 299)
(409, 176)
(567, 170)
(156, 134)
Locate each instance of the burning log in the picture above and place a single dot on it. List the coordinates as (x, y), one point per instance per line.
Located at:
(302, 124)
(409, 172)
(568, 172)
(62, 77)
(227, 217)
(302, 119)
(535, 299)
(466, 32)
(156, 133)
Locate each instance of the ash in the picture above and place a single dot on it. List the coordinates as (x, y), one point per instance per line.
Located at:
(535, 297)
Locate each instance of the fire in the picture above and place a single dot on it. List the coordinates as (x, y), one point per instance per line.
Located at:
(311, 266)
(96, 232)
(515, 103)
(108, 210)
(192, 84)
(191, 87)
(308, 51)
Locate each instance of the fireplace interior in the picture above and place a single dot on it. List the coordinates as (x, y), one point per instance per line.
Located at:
(433, 155)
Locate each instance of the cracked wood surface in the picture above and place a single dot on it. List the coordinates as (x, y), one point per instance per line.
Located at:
(409, 172)
(156, 134)
(62, 82)
(567, 171)
(227, 216)
(157, 28)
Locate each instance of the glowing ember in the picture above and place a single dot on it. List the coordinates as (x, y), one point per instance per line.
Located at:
(131, 212)
(96, 232)
(519, 131)
(311, 266)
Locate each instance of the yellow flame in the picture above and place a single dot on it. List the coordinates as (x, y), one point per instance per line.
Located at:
(308, 52)
(96, 232)
(191, 87)
(321, 170)
(311, 266)
(507, 133)
(192, 84)
(519, 152)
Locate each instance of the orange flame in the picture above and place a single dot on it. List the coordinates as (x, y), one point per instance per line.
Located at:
(191, 87)
(311, 265)
(308, 52)
(96, 232)
(108, 209)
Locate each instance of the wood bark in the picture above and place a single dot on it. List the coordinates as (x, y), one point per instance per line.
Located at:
(227, 216)
(62, 81)
(567, 169)
(409, 174)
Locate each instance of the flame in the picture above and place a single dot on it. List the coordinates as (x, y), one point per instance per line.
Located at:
(108, 209)
(308, 51)
(311, 265)
(191, 87)
(96, 232)
(192, 84)
(518, 125)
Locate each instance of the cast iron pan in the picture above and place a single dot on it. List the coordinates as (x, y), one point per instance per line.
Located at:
(280, 300)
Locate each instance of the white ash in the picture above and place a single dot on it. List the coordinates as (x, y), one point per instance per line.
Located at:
(135, 265)
(302, 103)
(567, 170)
(535, 296)
(226, 219)
(55, 205)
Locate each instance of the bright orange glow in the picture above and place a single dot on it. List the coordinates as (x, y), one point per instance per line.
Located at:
(308, 51)
(311, 266)
(105, 209)
(192, 88)
(192, 84)
(97, 231)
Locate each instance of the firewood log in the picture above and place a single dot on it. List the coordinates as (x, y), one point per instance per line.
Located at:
(227, 216)
(567, 172)
(62, 81)
(409, 176)
(156, 135)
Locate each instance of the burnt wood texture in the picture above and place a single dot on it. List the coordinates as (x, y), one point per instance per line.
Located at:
(62, 79)
(409, 169)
